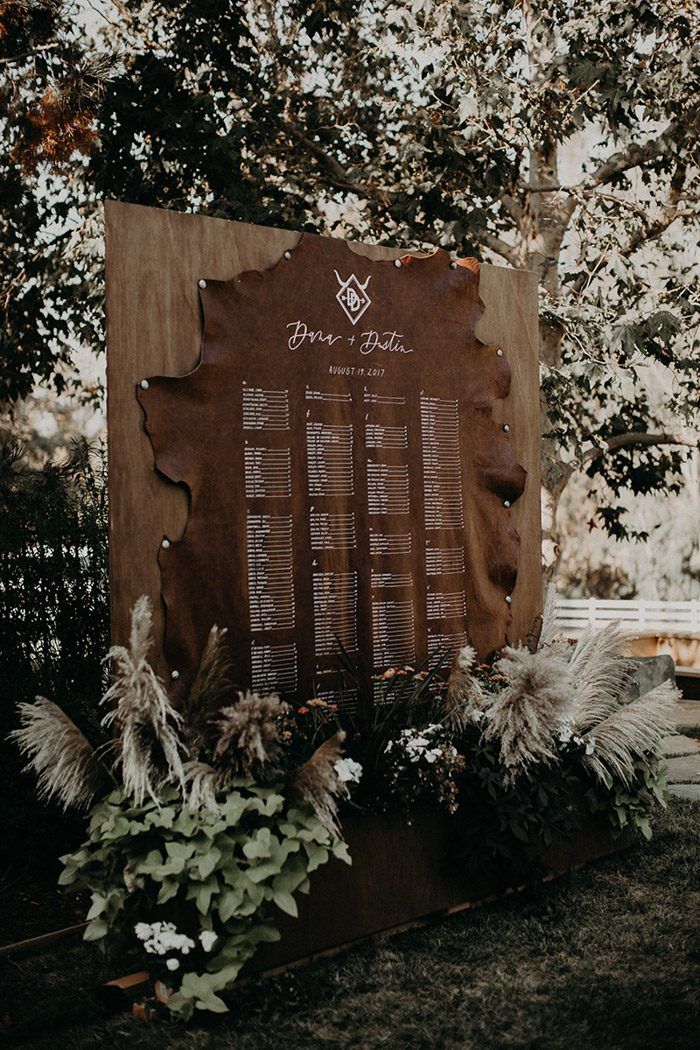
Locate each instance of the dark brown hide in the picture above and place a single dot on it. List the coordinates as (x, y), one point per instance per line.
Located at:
(338, 445)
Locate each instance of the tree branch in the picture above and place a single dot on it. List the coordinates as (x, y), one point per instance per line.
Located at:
(637, 437)
(670, 212)
(339, 176)
(649, 229)
(635, 155)
(502, 248)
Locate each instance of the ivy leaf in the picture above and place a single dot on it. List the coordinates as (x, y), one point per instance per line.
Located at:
(202, 893)
(286, 902)
(99, 903)
(96, 930)
(204, 864)
(229, 903)
(167, 891)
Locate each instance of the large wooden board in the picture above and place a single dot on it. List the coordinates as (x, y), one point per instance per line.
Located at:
(154, 259)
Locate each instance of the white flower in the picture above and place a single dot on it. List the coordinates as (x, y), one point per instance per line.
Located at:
(432, 756)
(207, 939)
(565, 734)
(590, 745)
(172, 964)
(162, 937)
(418, 742)
(347, 770)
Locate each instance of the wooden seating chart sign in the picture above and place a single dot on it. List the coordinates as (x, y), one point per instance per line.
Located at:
(347, 458)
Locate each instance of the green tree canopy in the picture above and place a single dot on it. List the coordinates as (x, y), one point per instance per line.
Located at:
(419, 123)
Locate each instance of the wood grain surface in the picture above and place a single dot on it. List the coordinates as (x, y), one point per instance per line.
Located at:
(154, 259)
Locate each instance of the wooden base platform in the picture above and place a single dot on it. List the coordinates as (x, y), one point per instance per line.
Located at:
(400, 877)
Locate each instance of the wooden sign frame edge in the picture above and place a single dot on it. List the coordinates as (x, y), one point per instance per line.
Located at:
(153, 260)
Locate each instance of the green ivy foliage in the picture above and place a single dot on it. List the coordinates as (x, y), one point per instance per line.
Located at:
(225, 872)
(498, 823)
(630, 806)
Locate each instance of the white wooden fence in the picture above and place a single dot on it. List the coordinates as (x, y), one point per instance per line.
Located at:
(640, 617)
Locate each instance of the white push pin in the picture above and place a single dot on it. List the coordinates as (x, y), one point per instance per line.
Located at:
(506, 428)
(499, 352)
(397, 264)
(202, 283)
(287, 256)
(165, 544)
(174, 675)
(508, 599)
(506, 503)
(144, 384)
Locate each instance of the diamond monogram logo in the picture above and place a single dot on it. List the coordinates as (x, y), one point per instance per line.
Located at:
(353, 296)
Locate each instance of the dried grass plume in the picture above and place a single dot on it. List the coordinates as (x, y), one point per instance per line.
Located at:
(317, 785)
(525, 717)
(66, 766)
(464, 695)
(148, 742)
(248, 733)
(203, 782)
(631, 731)
(211, 689)
(548, 628)
(601, 672)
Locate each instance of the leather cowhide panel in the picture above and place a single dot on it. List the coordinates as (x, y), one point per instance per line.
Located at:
(347, 480)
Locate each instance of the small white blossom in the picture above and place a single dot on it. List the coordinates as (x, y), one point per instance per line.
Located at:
(590, 745)
(565, 734)
(348, 771)
(159, 938)
(207, 939)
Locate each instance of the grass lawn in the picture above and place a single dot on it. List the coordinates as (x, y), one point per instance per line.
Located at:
(608, 957)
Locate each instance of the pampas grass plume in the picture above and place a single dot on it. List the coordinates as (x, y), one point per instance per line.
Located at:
(248, 733)
(204, 782)
(631, 731)
(148, 741)
(317, 785)
(601, 672)
(64, 761)
(526, 715)
(213, 683)
(464, 695)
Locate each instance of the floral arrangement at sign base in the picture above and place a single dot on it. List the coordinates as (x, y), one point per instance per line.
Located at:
(207, 822)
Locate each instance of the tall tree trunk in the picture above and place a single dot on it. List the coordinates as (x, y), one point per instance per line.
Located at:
(543, 224)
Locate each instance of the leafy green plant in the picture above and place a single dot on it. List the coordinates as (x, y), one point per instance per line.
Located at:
(221, 812)
(500, 820)
(631, 804)
(54, 593)
(218, 873)
(210, 824)
(400, 698)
